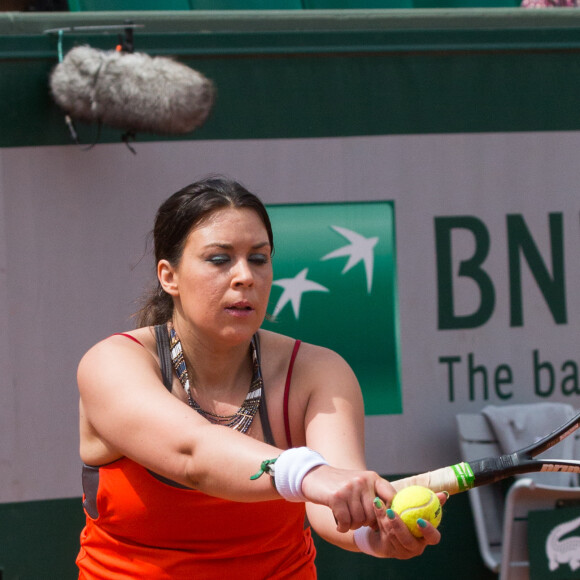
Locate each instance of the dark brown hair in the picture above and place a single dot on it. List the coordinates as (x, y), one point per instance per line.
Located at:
(177, 216)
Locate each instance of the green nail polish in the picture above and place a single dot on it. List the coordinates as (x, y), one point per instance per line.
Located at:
(421, 523)
(390, 514)
(378, 503)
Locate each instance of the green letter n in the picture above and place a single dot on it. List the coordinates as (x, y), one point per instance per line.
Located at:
(552, 287)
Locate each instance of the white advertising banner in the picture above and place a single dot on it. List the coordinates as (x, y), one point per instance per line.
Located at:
(486, 250)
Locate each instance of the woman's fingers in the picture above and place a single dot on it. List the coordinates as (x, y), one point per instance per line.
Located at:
(348, 493)
(352, 503)
(431, 535)
(394, 539)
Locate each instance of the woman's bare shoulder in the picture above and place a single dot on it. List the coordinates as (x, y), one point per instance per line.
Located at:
(134, 345)
(144, 337)
(273, 340)
(310, 357)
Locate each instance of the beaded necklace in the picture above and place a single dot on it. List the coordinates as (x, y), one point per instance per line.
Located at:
(242, 419)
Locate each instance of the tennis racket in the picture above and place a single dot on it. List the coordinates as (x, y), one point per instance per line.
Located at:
(464, 476)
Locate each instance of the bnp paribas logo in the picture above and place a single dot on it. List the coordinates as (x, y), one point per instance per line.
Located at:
(335, 285)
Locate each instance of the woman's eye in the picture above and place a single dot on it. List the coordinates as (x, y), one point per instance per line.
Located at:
(258, 258)
(218, 260)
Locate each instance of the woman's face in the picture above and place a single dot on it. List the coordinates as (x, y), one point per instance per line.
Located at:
(222, 283)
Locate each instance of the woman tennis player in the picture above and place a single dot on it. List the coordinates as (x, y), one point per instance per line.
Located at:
(211, 446)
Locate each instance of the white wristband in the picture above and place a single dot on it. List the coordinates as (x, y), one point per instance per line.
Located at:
(291, 467)
(362, 541)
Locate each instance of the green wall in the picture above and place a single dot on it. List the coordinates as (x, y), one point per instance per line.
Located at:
(322, 73)
(40, 540)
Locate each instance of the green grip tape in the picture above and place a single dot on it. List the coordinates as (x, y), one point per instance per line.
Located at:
(464, 474)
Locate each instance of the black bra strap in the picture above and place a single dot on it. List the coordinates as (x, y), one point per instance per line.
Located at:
(263, 409)
(90, 488)
(164, 355)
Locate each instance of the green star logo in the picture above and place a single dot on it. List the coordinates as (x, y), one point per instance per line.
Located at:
(335, 285)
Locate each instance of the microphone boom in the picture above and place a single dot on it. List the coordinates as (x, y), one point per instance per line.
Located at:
(131, 91)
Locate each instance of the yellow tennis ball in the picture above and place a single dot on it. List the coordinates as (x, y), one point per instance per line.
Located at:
(415, 502)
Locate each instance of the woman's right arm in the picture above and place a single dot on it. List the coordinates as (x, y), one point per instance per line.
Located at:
(130, 413)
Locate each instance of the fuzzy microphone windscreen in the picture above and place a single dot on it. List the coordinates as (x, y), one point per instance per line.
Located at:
(131, 91)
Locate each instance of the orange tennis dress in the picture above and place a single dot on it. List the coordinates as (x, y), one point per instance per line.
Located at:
(142, 526)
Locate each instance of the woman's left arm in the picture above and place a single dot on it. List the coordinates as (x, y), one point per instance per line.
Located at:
(334, 426)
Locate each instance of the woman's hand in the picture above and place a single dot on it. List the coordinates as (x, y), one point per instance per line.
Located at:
(392, 538)
(348, 493)
(351, 494)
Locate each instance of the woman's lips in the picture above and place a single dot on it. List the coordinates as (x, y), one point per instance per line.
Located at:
(240, 309)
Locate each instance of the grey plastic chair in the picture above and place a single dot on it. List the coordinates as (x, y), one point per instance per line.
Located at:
(500, 517)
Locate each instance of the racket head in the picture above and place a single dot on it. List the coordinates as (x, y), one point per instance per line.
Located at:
(553, 438)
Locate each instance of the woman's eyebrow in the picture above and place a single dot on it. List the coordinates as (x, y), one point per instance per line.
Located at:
(228, 246)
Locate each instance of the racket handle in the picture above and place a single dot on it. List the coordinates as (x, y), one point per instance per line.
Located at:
(453, 479)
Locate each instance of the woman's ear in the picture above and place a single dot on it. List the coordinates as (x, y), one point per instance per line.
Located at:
(167, 277)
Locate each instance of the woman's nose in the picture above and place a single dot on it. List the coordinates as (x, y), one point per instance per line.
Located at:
(242, 273)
